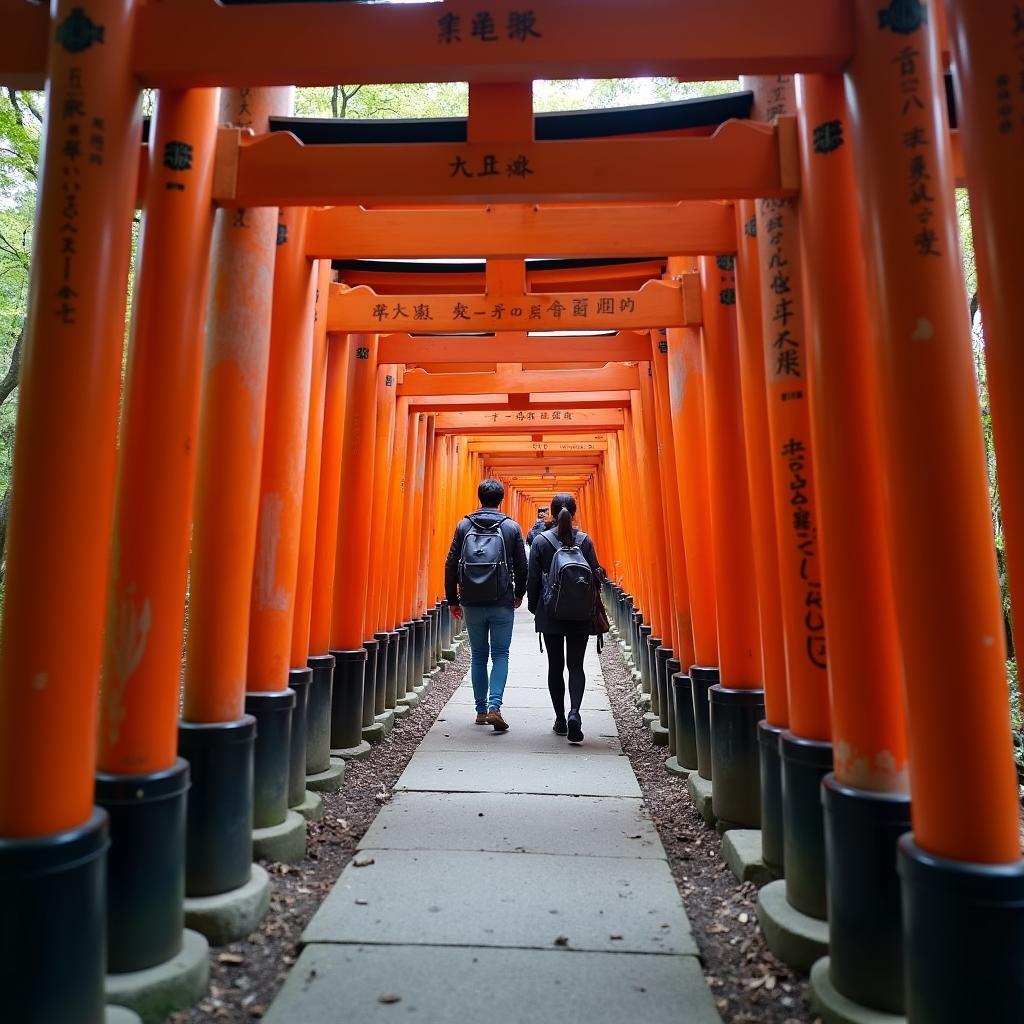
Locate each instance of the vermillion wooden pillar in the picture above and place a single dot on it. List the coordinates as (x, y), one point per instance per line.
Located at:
(62, 501)
(736, 703)
(380, 546)
(318, 704)
(415, 478)
(398, 632)
(326, 546)
(946, 590)
(678, 716)
(753, 387)
(216, 735)
(404, 569)
(277, 695)
(352, 563)
(866, 801)
(806, 748)
(422, 519)
(987, 41)
(140, 778)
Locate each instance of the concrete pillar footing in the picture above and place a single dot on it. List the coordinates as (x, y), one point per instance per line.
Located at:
(387, 720)
(331, 780)
(448, 654)
(673, 766)
(157, 991)
(230, 916)
(121, 1015)
(795, 938)
(403, 708)
(835, 1008)
(312, 806)
(700, 793)
(285, 841)
(741, 848)
(659, 734)
(650, 717)
(352, 753)
(410, 700)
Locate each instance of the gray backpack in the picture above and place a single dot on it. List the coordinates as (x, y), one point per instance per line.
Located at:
(483, 564)
(568, 589)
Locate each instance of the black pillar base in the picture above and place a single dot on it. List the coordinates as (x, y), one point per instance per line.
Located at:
(643, 660)
(272, 710)
(736, 796)
(347, 699)
(419, 669)
(702, 678)
(301, 681)
(53, 925)
(652, 643)
(672, 668)
(402, 664)
(686, 740)
(380, 676)
(145, 865)
(391, 671)
(446, 627)
(218, 837)
(318, 714)
(804, 764)
(963, 938)
(865, 924)
(661, 675)
(369, 683)
(772, 831)
(428, 641)
(405, 682)
(636, 621)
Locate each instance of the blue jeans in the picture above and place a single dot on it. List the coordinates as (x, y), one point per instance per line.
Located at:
(493, 621)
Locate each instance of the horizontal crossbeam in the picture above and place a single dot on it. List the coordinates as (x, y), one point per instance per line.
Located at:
(515, 347)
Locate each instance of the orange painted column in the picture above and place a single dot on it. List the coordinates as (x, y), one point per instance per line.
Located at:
(987, 41)
(352, 563)
(404, 571)
(413, 529)
(753, 386)
(141, 682)
(423, 621)
(318, 704)
(736, 699)
(277, 694)
(398, 634)
(216, 735)
(62, 504)
(946, 588)
(866, 801)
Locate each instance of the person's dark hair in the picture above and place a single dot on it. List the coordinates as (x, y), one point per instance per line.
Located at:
(563, 511)
(491, 493)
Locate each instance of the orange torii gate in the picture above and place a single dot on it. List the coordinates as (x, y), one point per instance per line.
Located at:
(957, 866)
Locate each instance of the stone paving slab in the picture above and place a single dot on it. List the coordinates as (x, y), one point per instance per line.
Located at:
(438, 985)
(529, 732)
(572, 772)
(498, 822)
(532, 901)
(533, 697)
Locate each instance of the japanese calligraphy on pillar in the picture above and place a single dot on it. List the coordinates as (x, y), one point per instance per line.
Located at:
(1008, 82)
(82, 136)
(777, 233)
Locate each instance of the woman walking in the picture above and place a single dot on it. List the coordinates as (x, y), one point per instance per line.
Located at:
(561, 590)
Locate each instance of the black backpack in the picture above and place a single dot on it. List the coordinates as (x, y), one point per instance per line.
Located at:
(483, 564)
(568, 588)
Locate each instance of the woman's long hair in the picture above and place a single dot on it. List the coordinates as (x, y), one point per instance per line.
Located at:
(563, 511)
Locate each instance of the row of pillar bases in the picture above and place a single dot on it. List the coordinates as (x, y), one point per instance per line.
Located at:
(174, 847)
(904, 933)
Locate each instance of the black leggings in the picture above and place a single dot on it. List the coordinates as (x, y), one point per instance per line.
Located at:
(559, 647)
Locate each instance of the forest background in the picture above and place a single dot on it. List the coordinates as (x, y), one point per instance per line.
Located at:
(21, 120)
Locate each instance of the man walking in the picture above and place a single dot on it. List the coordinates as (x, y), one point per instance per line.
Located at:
(485, 580)
(538, 527)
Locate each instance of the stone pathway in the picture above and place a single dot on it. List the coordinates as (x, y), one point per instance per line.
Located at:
(513, 879)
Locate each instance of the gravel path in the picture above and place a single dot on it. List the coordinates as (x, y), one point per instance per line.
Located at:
(245, 976)
(749, 984)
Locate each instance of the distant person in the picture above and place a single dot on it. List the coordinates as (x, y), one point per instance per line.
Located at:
(562, 591)
(484, 580)
(538, 527)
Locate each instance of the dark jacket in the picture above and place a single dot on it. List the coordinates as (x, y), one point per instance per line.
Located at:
(536, 530)
(515, 551)
(541, 555)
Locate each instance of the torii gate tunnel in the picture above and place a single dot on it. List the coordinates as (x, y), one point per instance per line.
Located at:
(735, 329)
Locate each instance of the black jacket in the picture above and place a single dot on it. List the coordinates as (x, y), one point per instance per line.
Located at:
(515, 550)
(536, 530)
(541, 554)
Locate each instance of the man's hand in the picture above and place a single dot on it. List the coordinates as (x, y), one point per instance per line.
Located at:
(456, 611)
(519, 602)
